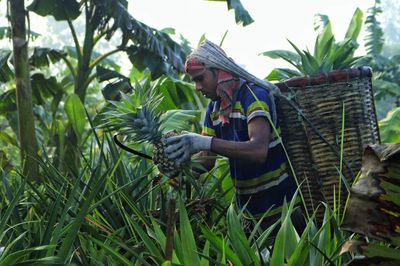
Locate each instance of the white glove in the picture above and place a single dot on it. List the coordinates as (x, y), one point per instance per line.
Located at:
(180, 148)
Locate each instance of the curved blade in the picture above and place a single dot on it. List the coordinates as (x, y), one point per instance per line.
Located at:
(138, 153)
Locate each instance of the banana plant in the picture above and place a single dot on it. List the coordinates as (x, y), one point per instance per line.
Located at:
(389, 127)
(145, 46)
(328, 54)
(386, 81)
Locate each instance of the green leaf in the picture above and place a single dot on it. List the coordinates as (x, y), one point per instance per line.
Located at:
(151, 48)
(111, 250)
(42, 57)
(221, 246)
(8, 102)
(167, 87)
(290, 57)
(325, 238)
(178, 119)
(374, 38)
(170, 31)
(10, 208)
(76, 114)
(59, 9)
(286, 239)
(278, 74)
(206, 251)
(376, 250)
(17, 257)
(314, 63)
(342, 52)
(95, 183)
(5, 72)
(166, 263)
(148, 242)
(69, 205)
(112, 91)
(385, 87)
(242, 16)
(321, 22)
(305, 66)
(389, 127)
(44, 88)
(355, 25)
(238, 239)
(117, 83)
(8, 139)
(189, 248)
(324, 43)
(302, 250)
(105, 74)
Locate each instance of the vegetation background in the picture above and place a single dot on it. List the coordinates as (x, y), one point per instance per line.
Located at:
(70, 196)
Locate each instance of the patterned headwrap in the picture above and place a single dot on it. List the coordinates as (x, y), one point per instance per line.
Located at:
(227, 84)
(209, 55)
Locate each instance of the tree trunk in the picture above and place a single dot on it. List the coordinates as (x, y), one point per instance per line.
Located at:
(26, 125)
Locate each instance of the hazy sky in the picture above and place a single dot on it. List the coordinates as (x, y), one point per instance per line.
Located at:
(275, 22)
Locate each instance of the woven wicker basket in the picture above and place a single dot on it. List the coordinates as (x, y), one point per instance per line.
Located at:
(314, 150)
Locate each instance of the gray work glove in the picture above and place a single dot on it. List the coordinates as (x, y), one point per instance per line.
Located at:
(181, 148)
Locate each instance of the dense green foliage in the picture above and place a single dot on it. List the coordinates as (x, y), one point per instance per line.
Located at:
(98, 205)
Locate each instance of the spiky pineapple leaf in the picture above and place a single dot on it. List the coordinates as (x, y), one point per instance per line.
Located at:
(178, 119)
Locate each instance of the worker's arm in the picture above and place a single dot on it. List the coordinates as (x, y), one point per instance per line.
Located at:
(254, 150)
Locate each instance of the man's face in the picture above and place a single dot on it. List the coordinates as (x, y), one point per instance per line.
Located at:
(206, 83)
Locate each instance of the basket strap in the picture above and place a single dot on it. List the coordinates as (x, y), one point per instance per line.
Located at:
(138, 153)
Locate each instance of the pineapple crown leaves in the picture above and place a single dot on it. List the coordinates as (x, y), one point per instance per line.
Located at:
(138, 119)
(138, 116)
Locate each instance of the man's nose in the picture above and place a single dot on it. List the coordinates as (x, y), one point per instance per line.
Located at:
(198, 86)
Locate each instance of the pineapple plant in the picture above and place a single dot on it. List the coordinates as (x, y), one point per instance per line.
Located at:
(136, 117)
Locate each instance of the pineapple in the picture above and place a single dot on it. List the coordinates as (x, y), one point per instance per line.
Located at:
(164, 164)
(148, 127)
(143, 124)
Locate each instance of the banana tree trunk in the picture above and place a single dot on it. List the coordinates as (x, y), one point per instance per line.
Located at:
(26, 125)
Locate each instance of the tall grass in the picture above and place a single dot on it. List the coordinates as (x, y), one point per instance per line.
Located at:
(115, 213)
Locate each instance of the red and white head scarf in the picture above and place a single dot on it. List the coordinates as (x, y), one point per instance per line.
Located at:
(227, 84)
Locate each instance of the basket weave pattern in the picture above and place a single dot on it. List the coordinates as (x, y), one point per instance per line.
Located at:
(321, 98)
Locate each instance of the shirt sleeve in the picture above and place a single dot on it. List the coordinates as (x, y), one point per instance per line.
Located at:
(256, 102)
(208, 128)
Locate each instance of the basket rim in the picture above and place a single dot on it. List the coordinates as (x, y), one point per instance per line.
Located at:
(334, 76)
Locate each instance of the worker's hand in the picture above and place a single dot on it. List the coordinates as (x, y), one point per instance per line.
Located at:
(180, 148)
